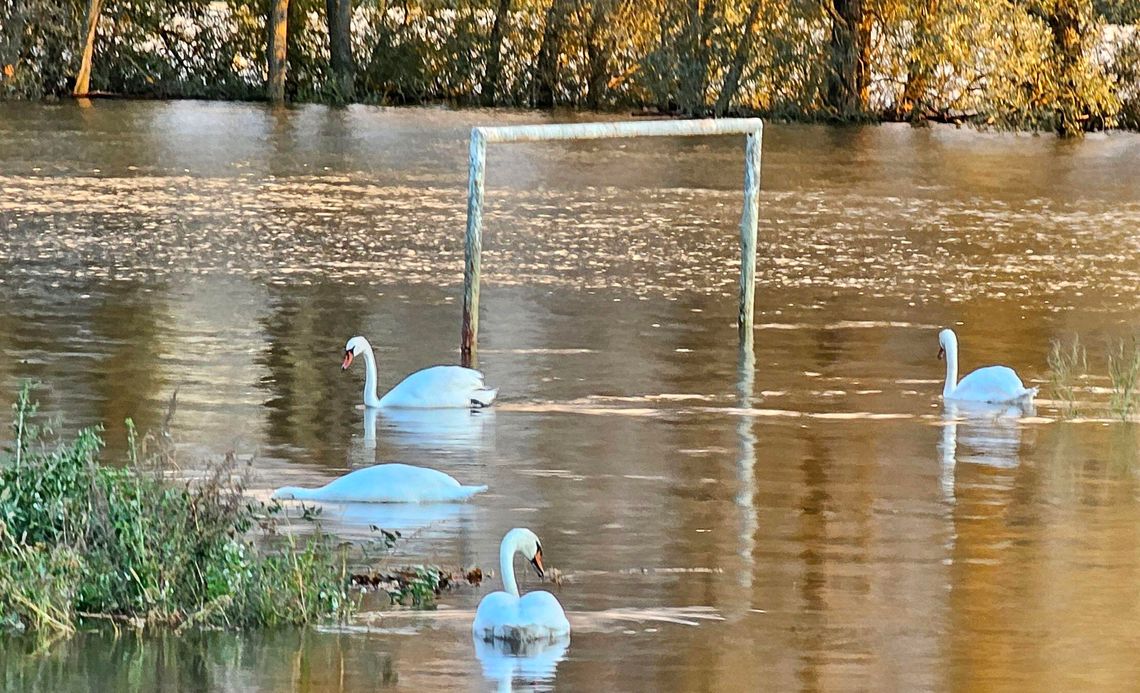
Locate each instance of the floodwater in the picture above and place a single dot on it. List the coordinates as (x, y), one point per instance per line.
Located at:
(810, 517)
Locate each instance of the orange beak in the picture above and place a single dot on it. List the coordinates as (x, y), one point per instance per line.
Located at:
(537, 563)
(347, 361)
(941, 353)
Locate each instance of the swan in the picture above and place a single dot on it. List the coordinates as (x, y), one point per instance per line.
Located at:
(385, 483)
(993, 384)
(507, 616)
(431, 388)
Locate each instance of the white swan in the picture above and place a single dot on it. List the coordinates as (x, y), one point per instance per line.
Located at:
(431, 388)
(994, 384)
(385, 483)
(505, 615)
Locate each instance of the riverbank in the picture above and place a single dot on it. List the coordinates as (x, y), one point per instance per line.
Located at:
(988, 64)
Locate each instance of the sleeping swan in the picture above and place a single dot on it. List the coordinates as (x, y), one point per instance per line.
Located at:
(438, 387)
(505, 615)
(385, 483)
(993, 384)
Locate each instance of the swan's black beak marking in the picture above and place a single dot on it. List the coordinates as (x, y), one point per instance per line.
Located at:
(347, 361)
(941, 353)
(537, 562)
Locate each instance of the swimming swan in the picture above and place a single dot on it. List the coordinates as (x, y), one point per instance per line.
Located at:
(385, 483)
(505, 615)
(437, 387)
(994, 384)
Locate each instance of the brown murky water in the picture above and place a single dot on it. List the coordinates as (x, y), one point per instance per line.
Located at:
(811, 520)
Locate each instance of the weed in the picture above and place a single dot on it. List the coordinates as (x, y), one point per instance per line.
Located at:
(1067, 364)
(79, 539)
(1124, 371)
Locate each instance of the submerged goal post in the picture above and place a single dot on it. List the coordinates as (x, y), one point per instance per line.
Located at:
(481, 136)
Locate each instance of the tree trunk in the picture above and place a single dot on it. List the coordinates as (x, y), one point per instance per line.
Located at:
(743, 49)
(276, 53)
(339, 16)
(598, 54)
(491, 77)
(849, 80)
(545, 75)
(83, 77)
(694, 67)
(912, 105)
(1069, 22)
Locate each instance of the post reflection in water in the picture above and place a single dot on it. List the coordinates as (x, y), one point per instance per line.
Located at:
(531, 663)
(746, 460)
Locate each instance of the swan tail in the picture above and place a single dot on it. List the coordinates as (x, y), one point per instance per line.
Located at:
(466, 492)
(292, 493)
(483, 397)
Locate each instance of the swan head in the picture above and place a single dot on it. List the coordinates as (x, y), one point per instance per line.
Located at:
(354, 348)
(526, 542)
(947, 340)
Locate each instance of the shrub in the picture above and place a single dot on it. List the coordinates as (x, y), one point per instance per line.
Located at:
(80, 539)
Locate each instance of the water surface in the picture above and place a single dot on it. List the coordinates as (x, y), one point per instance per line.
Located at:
(808, 518)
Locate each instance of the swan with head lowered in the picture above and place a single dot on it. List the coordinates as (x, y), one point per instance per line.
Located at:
(438, 387)
(535, 616)
(385, 483)
(993, 384)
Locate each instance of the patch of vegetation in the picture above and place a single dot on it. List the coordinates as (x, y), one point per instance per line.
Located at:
(82, 540)
(417, 586)
(1067, 364)
(1124, 371)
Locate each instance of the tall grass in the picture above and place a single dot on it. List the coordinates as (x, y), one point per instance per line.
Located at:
(1067, 364)
(1124, 371)
(83, 540)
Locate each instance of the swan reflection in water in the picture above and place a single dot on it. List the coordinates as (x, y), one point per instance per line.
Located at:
(531, 663)
(429, 428)
(356, 520)
(980, 433)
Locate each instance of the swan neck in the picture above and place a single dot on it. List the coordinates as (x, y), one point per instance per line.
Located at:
(370, 398)
(951, 368)
(507, 566)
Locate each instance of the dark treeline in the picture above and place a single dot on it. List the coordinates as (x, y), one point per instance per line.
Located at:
(1063, 65)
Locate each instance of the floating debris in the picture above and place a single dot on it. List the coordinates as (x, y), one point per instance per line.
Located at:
(416, 586)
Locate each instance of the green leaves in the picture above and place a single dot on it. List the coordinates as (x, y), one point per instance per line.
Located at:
(128, 544)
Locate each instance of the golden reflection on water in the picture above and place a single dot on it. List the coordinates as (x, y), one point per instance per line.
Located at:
(803, 514)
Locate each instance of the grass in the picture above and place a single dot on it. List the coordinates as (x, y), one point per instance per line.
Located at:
(1124, 372)
(1067, 364)
(80, 540)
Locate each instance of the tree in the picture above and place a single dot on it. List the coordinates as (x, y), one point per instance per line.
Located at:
(545, 74)
(1080, 88)
(923, 54)
(491, 76)
(276, 54)
(696, 55)
(339, 17)
(83, 77)
(849, 77)
(739, 58)
(599, 48)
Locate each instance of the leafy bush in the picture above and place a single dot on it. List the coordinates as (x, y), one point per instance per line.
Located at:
(79, 539)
